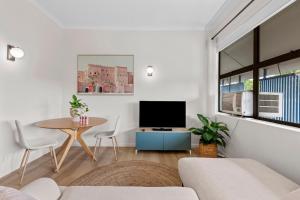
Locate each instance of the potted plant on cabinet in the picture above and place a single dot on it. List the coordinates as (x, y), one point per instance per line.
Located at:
(212, 134)
(78, 108)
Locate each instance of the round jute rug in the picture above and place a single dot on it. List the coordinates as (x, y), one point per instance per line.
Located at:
(130, 173)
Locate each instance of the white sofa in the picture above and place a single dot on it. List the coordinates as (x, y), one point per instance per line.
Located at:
(47, 189)
(203, 179)
(235, 179)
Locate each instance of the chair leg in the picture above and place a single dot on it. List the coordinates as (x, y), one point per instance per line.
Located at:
(116, 143)
(25, 165)
(115, 150)
(23, 160)
(53, 154)
(95, 148)
(100, 140)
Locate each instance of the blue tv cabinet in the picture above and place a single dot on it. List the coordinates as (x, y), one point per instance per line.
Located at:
(175, 140)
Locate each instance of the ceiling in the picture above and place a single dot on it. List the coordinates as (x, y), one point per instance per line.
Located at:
(131, 14)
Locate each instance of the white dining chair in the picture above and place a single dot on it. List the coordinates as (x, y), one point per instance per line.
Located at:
(33, 145)
(99, 134)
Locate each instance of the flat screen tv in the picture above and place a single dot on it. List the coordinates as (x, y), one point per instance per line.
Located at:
(162, 114)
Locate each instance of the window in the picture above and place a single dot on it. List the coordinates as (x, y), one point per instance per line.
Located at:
(237, 83)
(238, 55)
(280, 34)
(279, 91)
(259, 77)
(233, 91)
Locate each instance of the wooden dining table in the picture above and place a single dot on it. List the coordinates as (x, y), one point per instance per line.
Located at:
(74, 130)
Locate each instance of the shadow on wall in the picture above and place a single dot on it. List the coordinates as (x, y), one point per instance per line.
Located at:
(128, 137)
(130, 125)
(9, 136)
(196, 106)
(10, 151)
(193, 122)
(135, 117)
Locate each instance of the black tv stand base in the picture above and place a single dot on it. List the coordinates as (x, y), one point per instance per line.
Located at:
(162, 129)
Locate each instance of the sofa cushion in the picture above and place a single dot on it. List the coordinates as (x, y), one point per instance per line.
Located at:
(42, 189)
(294, 195)
(7, 193)
(126, 193)
(233, 179)
(276, 182)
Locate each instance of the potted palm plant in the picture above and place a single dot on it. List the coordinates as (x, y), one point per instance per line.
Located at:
(78, 108)
(212, 134)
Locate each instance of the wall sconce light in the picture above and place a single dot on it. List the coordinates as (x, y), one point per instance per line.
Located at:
(14, 52)
(150, 70)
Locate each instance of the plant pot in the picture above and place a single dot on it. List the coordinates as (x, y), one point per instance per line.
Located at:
(72, 113)
(208, 150)
(76, 119)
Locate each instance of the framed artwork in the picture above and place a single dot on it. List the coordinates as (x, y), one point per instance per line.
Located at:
(105, 74)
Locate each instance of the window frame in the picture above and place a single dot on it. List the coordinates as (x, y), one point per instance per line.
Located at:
(257, 64)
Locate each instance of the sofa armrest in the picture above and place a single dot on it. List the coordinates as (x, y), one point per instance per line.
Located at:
(222, 179)
(43, 189)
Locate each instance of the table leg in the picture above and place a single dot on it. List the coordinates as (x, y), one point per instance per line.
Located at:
(83, 144)
(63, 146)
(66, 146)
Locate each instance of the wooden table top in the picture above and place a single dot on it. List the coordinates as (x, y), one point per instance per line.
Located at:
(67, 123)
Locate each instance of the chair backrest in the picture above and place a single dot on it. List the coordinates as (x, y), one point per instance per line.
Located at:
(20, 130)
(117, 126)
(112, 126)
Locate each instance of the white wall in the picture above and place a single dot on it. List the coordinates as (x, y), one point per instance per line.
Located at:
(179, 72)
(30, 88)
(40, 85)
(274, 145)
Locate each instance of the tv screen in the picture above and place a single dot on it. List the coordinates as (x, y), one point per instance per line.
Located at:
(162, 114)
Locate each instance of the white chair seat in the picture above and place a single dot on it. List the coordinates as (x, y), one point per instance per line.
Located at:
(104, 134)
(41, 143)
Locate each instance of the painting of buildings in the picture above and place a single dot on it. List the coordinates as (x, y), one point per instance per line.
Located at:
(105, 74)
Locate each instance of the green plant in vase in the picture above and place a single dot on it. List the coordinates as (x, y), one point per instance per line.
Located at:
(212, 134)
(78, 108)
